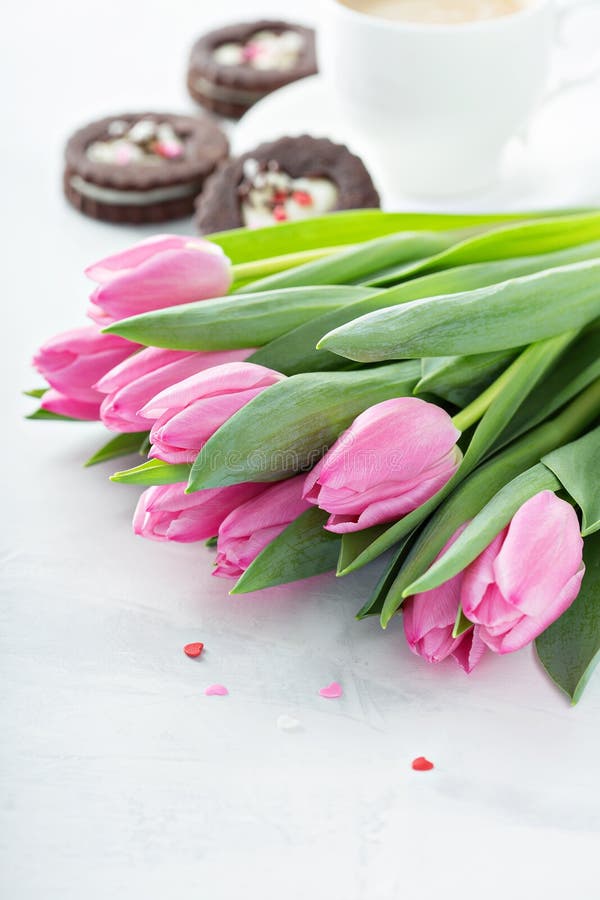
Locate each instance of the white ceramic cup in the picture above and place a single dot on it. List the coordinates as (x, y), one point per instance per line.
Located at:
(435, 105)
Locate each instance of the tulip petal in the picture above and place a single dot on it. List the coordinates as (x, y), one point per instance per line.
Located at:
(248, 529)
(73, 361)
(470, 650)
(217, 381)
(399, 438)
(110, 267)
(544, 532)
(387, 508)
(170, 278)
(120, 408)
(167, 513)
(62, 405)
(429, 617)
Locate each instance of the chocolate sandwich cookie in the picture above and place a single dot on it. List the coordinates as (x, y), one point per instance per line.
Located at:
(142, 167)
(232, 68)
(289, 179)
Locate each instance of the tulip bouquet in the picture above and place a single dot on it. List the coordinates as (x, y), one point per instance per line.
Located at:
(312, 396)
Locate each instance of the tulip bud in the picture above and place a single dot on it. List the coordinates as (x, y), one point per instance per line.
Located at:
(164, 270)
(63, 405)
(134, 382)
(528, 576)
(248, 529)
(429, 619)
(394, 457)
(187, 414)
(72, 362)
(167, 513)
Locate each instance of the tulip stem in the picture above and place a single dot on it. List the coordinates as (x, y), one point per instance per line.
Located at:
(250, 271)
(550, 348)
(476, 409)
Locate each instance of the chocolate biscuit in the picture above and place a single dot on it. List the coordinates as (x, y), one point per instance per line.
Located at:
(232, 68)
(288, 179)
(141, 167)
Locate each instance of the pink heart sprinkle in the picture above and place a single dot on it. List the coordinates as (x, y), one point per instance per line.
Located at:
(216, 690)
(332, 691)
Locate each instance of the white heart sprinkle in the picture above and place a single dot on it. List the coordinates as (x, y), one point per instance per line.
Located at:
(287, 723)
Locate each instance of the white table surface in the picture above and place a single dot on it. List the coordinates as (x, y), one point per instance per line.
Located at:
(119, 777)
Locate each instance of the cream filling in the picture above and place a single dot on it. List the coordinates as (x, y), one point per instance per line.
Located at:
(257, 214)
(131, 198)
(226, 94)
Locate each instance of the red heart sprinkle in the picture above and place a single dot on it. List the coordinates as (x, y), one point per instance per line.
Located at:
(279, 214)
(193, 650)
(302, 198)
(420, 764)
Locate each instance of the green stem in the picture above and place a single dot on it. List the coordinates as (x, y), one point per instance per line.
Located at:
(250, 271)
(479, 406)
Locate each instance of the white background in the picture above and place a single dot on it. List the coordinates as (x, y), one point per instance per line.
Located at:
(119, 777)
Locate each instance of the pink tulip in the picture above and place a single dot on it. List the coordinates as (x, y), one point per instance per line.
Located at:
(134, 382)
(188, 414)
(394, 457)
(62, 405)
(164, 270)
(72, 362)
(528, 576)
(248, 529)
(167, 513)
(429, 619)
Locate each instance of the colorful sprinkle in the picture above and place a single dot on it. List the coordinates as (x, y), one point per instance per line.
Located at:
(302, 198)
(287, 723)
(332, 691)
(216, 690)
(168, 149)
(193, 650)
(421, 764)
(279, 213)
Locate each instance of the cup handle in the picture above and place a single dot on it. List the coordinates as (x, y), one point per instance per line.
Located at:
(568, 83)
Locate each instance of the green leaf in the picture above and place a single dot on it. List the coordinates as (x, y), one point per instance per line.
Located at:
(246, 245)
(236, 321)
(295, 351)
(510, 240)
(154, 471)
(36, 393)
(578, 367)
(121, 445)
(460, 379)
(510, 390)
(476, 491)
(374, 605)
(516, 312)
(484, 527)
(288, 426)
(569, 649)
(211, 542)
(245, 273)
(41, 414)
(145, 446)
(461, 624)
(302, 549)
(357, 262)
(577, 465)
(354, 543)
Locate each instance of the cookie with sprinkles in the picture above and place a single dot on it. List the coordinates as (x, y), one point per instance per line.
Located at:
(285, 180)
(141, 167)
(232, 68)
